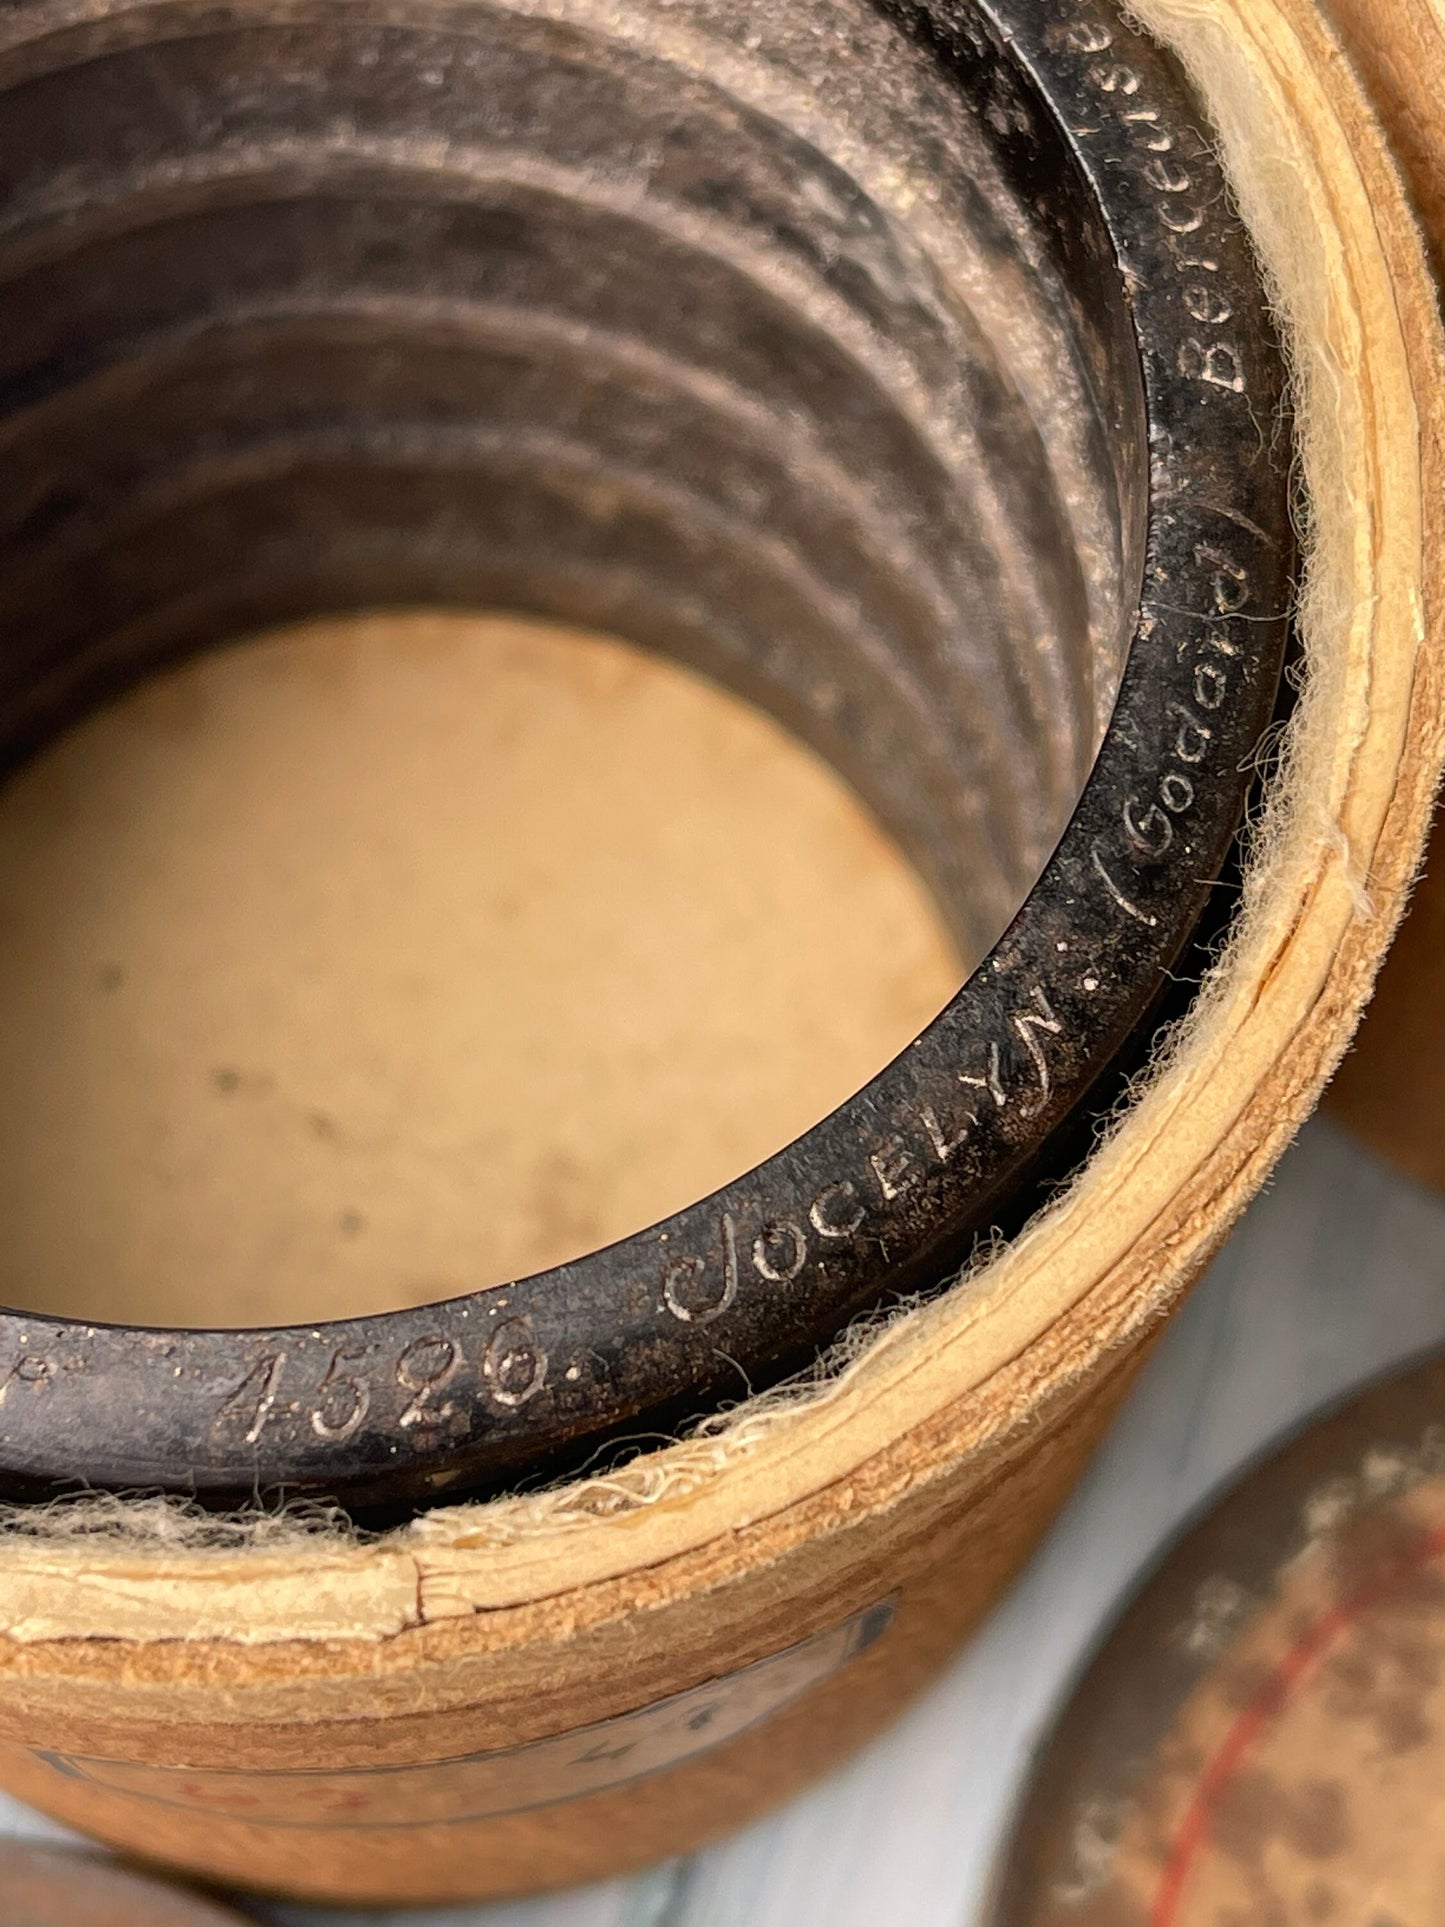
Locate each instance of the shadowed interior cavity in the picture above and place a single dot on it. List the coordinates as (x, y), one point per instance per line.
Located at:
(603, 316)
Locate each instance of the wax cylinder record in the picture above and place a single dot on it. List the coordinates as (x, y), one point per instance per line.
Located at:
(987, 517)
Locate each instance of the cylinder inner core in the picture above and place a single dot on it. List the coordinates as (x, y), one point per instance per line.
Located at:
(717, 330)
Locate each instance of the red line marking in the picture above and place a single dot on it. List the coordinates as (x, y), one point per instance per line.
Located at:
(1266, 1706)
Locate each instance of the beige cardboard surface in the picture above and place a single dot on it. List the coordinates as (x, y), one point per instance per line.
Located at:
(1389, 1087)
(399, 955)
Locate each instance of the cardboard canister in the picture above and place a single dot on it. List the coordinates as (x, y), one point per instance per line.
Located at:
(1388, 1087)
(552, 1687)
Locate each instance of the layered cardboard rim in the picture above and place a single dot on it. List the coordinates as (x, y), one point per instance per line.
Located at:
(957, 1378)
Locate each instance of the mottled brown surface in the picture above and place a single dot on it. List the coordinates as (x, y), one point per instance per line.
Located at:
(1315, 1750)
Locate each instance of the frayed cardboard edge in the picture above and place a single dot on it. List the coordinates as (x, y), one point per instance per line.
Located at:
(1300, 835)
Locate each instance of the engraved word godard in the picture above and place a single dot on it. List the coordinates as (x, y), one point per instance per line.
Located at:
(698, 1289)
(1150, 828)
(1149, 820)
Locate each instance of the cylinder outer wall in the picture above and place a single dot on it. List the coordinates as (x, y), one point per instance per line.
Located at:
(941, 1557)
(1391, 1087)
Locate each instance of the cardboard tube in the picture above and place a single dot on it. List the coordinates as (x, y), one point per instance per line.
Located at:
(1389, 1089)
(733, 1613)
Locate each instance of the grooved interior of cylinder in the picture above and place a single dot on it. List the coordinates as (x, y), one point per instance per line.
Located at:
(742, 332)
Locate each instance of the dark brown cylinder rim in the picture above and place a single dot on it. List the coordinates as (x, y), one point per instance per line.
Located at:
(195, 193)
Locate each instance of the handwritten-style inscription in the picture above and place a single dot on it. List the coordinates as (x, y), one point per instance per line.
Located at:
(252, 1400)
(836, 1212)
(697, 1289)
(428, 1363)
(428, 1375)
(514, 1364)
(780, 1251)
(1032, 1026)
(343, 1400)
